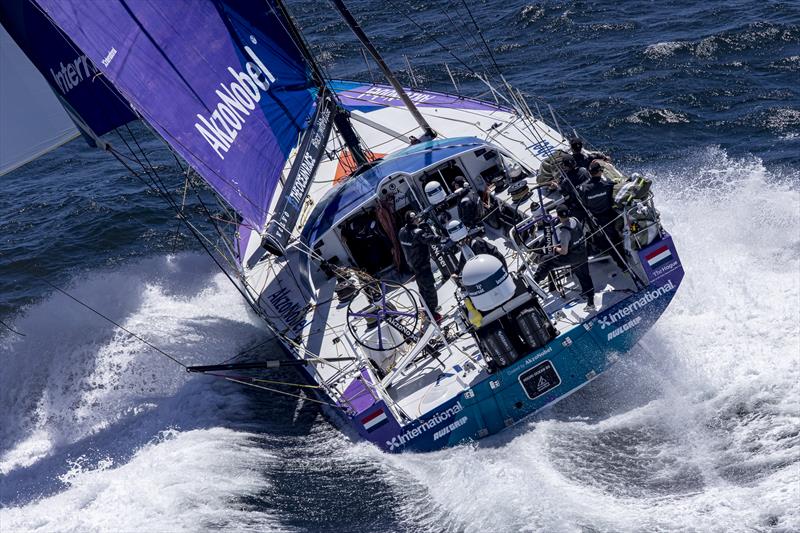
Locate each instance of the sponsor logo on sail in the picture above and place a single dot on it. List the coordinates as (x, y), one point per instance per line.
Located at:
(237, 99)
(292, 313)
(435, 420)
(307, 165)
(621, 313)
(69, 76)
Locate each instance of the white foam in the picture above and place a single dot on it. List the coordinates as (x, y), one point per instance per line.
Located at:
(697, 431)
(191, 481)
(100, 433)
(74, 374)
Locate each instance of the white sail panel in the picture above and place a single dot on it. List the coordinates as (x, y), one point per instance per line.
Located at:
(32, 121)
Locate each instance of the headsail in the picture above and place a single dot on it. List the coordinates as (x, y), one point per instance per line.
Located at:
(220, 80)
(31, 121)
(95, 107)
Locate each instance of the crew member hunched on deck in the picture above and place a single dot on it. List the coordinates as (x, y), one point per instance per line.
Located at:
(571, 251)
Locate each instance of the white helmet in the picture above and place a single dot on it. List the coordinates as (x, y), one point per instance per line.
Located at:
(514, 171)
(435, 192)
(456, 230)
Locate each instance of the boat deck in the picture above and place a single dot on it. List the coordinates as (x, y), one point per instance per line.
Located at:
(430, 381)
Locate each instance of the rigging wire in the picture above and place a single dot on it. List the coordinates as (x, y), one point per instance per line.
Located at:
(464, 35)
(106, 318)
(432, 37)
(480, 32)
(277, 391)
(12, 330)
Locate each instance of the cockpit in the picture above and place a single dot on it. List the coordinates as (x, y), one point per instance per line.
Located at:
(356, 223)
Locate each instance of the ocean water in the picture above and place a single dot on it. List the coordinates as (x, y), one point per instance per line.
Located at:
(697, 430)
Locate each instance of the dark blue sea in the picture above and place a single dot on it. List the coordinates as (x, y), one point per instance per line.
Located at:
(697, 430)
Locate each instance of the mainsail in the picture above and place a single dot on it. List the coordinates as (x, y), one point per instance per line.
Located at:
(221, 81)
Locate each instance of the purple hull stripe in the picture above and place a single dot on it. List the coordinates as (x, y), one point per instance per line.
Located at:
(377, 97)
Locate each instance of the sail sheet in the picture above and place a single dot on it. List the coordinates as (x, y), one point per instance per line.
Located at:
(91, 102)
(221, 81)
(31, 120)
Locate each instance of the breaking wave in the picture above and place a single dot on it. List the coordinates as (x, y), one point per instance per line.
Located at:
(99, 432)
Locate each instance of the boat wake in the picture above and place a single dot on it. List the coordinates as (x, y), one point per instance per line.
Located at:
(699, 428)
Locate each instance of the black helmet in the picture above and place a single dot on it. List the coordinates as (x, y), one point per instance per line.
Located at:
(594, 166)
(576, 143)
(562, 210)
(411, 216)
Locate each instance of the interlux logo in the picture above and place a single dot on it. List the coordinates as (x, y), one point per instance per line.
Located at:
(435, 420)
(623, 312)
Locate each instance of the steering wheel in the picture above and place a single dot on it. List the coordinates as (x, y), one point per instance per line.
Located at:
(382, 306)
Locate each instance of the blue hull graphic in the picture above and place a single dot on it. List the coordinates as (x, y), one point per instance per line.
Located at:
(543, 377)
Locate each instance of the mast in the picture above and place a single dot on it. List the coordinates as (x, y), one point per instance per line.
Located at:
(348, 18)
(341, 117)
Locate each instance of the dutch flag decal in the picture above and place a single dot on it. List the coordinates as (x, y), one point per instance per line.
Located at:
(659, 256)
(374, 420)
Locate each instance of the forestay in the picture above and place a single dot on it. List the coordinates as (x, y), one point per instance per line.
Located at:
(220, 80)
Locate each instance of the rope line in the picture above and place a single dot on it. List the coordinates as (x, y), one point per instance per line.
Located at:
(104, 317)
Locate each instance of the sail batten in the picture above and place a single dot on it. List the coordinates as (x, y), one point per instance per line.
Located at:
(220, 80)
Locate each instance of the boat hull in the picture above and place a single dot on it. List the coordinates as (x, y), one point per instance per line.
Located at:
(539, 379)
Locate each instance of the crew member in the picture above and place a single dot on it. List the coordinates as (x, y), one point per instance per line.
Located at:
(572, 177)
(584, 158)
(415, 241)
(480, 245)
(470, 246)
(597, 196)
(570, 251)
(469, 206)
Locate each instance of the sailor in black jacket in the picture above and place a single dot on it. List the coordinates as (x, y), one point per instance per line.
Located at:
(570, 251)
(597, 196)
(582, 157)
(573, 177)
(415, 241)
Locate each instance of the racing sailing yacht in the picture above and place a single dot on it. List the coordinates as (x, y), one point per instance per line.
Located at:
(316, 177)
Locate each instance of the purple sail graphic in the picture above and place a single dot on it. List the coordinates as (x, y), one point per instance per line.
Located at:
(221, 81)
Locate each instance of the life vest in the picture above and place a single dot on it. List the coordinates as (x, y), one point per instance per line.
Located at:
(576, 241)
(597, 197)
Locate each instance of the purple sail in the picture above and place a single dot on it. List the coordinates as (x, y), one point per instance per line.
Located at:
(221, 81)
